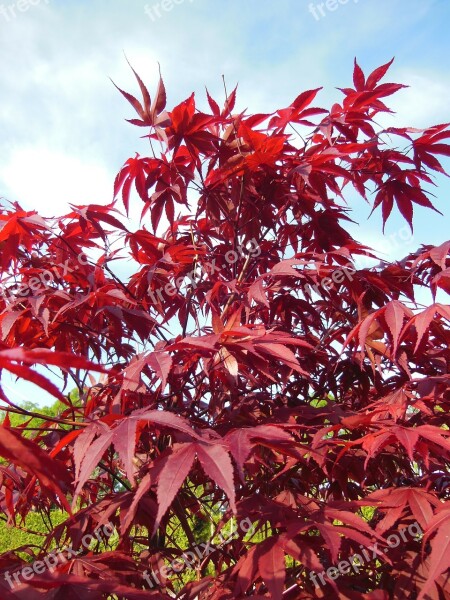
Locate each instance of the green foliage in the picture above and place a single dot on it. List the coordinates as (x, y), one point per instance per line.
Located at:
(25, 421)
(36, 526)
(30, 533)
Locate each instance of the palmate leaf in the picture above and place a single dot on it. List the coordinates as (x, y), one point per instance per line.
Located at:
(150, 113)
(242, 441)
(273, 571)
(52, 474)
(74, 585)
(88, 452)
(439, 559)
(161, 362)
(394, 502)
(215, 461)
(173, 474)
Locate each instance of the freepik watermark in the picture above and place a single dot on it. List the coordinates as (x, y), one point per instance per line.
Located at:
(41, 282)
(392, 243)
(337, 277)
(11, 11)
(250, 250)
(357, 561)
(52, 560)
(319, 10)
(155, 11)
(198, 553)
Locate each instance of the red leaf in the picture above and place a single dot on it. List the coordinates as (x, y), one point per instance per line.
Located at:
(144, 91)
(358, 77)
(241, 441)
(175, 470)
(160, 100)
(378, 74)
(161, 362)
(47, 357)
(440, 253)
(304, 99)
(273, 571)
(408, 437)
(133, 101)
(91, 459)
(257, 293)
(285, 267)
(213, 105)
(124, 440)
(165, 419)
(216, 462)
(36, 378)
(395, 314)
(143, 488)
(31, 458)
(282, 353)
(440, 551)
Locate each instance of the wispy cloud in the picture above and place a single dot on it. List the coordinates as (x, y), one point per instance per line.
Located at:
(59, 107)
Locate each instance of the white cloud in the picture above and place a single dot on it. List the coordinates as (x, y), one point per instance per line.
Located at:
(38, 177)
(63, 134)
(423, 103)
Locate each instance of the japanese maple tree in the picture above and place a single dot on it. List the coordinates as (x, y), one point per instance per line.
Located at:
(251, 367)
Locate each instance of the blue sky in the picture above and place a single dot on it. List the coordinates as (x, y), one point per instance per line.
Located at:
(62, 131)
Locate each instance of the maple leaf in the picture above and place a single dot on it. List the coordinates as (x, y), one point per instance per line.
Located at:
(190, 127)
(135, 170)
(161, 362)
(395, 501)
(215, 461)
(439, 559)
(242, 441)
(272, 568)
(151, 114)
(51, 474)
(173, 473)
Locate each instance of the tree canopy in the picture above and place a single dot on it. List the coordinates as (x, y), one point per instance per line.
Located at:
(252, 368)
